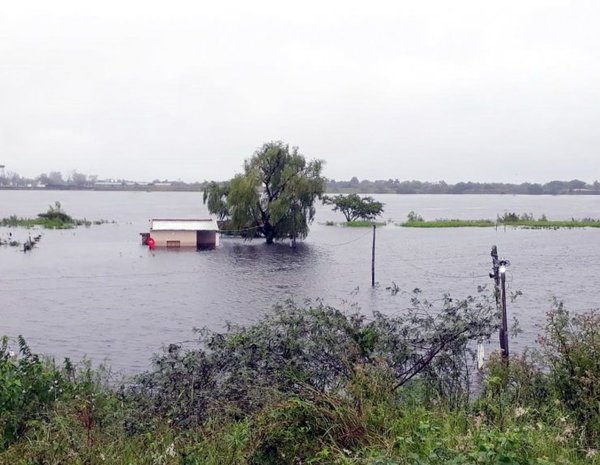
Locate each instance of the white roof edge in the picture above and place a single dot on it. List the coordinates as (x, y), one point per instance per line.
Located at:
(183, 224)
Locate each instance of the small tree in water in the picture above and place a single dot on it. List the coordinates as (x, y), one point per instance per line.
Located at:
(353, 207)
(275, 195)
(56, 213)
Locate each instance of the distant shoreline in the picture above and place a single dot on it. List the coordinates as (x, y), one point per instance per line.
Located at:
(102, 189)
(345, 191)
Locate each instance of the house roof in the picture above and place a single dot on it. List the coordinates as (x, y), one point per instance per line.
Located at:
(184, 225)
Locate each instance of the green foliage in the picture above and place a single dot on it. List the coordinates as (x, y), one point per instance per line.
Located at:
(239, 371)
(559, 381)
(512, 217)
(86, 422)
(413, 217)
(14, 222)
(353, 207)
(450, 223)
(571, 349)
(215, 197)
(27, 385)
(10, 221)
(513, 390)
(319, 386)
(56, 214)
(275, 195)
(527, 220)
(315, 426)
(363, 224)
(54, 218)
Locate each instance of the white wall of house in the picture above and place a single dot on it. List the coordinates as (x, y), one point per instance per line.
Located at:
(163, 238)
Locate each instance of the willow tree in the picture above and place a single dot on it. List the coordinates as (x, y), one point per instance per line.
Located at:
(215, 196)
(275, 194)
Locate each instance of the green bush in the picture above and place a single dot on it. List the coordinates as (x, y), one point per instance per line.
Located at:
(56, 214)
(236, 372)
(571, 349)
(510, 390)
(27, 386)
(318, 386)
(413, 217)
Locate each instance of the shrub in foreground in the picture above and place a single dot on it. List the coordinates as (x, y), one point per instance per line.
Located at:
(27, 385)
(237, 372)
(318, 386)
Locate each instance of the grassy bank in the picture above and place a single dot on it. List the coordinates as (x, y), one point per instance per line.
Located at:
(318, 386)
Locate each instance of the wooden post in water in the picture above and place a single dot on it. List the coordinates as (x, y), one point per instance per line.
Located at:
(373, 259)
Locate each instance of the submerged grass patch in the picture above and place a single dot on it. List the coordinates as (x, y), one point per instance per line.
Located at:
(525, 220)
(362, 224)
(450, 223)
(47, 223)
(355, 224)
(554, 224)
(15, 222)
(54, 218)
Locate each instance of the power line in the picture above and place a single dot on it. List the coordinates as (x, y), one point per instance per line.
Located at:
(345, 243)
(441, 275)
(238, 230)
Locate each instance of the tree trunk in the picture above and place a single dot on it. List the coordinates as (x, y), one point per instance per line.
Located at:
(269, 232)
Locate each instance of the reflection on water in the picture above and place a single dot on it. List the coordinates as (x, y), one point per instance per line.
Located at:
(98, 292)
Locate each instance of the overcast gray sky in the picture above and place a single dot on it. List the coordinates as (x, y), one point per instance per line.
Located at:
(430, 90)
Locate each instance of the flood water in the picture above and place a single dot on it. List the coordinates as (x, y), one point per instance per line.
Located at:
(97, 292)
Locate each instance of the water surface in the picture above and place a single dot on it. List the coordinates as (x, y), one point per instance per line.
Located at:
(97, 292)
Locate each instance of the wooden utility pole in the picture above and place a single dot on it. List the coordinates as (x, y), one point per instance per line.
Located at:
(498, 274)
(505, 351)
(373, 259)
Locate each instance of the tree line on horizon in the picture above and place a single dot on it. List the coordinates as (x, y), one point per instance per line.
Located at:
(394, 186)
(77, 180)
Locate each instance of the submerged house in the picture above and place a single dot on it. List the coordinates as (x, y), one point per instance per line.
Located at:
(177, 233)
